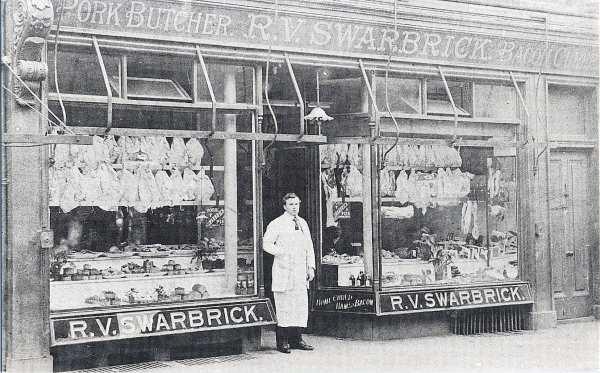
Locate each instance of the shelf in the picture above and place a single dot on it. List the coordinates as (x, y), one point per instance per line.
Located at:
(158, 275)
(242, 249)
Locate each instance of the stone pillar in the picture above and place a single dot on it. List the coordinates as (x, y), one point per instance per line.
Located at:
(26, 276)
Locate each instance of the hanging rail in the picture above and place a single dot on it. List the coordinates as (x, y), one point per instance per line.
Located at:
(298, 95)
(213, 121)
(106, 84)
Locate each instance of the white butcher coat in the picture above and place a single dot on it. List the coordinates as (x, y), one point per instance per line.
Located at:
(293, 256)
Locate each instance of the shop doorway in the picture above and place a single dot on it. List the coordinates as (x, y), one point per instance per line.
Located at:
(571, 237)
(289, 167)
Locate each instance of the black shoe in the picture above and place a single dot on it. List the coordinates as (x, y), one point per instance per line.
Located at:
(284, 348)
(301, 345)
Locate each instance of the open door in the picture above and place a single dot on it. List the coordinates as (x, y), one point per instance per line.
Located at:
(290, 167)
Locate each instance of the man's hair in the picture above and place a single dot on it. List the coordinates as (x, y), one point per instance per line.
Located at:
(290, 196)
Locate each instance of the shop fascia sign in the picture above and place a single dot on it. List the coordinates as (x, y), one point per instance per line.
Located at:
(150, 322)
(454, 298)
(203, 24)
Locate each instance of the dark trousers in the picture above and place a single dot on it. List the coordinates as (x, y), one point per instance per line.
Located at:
(291, 335)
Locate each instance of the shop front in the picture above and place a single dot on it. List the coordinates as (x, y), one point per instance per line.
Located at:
(445, 173)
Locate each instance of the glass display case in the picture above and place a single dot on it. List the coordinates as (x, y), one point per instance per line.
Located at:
(151, 214)
(134, 226)
(448, 217)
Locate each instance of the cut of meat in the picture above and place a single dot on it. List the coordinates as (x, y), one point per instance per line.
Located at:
(72, 195)
(204, 187)
(176, 186)
(177, 153)
(112, 149)
(111, 189)
(354, 183)
(162, 150)
(387, 182)
(195, 152)
(90, 186)
(164, 185)
(62, 155)
(56, 184)
(129, 188)
(402, 187)
(189, 185)
(146, 189)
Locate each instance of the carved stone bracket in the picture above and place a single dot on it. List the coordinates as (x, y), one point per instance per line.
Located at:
(32, 20)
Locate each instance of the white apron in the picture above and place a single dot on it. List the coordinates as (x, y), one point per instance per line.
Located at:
(292, 304)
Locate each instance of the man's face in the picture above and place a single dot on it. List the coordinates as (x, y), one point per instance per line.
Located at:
(292, 206)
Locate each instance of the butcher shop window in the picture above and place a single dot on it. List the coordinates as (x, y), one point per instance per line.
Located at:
(448, 216)
(151, 219)
(345, 261)
(438, 102)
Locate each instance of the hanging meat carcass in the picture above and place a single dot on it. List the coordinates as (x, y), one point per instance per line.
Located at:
(176, 186)
(129, 188)
(147, 190)
(56, 184)
(189, 185)
(62, 156)
(177, 154)
(354, 183)
(401, 192)
(195, 152)
(164, 185)
(204, 187)
(72, 196)
(90, 186)
(387, 182)
(110, 186)
(112, 148)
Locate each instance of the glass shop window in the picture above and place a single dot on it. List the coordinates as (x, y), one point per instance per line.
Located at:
(242, 80)
(438, 102)
(448, 216)
(157, 77)
(150, 219)
(495, 101)
(571, 112)
(344, 260)
(153, 118)
(78, 71)
(340, 90)
(404, 95)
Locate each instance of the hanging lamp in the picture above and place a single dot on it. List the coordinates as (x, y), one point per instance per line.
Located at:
(317, 114)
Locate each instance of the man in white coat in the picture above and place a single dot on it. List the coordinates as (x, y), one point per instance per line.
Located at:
(288, 239)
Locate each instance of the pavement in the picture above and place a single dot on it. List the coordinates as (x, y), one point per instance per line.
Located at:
(570, 347)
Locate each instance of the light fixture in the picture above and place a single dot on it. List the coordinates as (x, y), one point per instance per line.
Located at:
(317, 114)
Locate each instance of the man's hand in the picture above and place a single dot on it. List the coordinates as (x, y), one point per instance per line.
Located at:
(311, 274)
